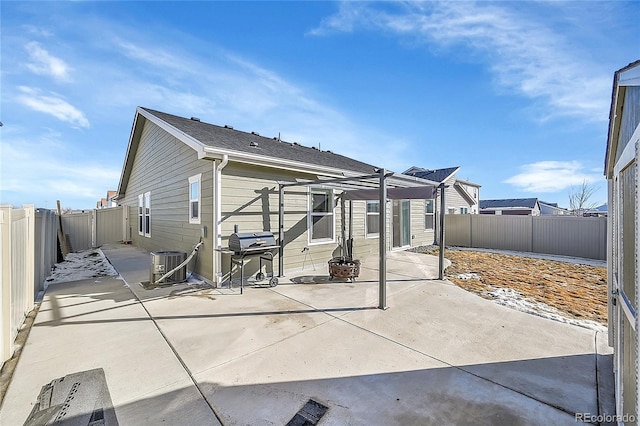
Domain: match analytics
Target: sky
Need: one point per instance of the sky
(517, 93)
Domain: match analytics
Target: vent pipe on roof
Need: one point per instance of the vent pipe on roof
(226, 126)
(253, 143)
(255, 133)
(195, 118)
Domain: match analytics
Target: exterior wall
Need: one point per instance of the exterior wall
(250, 200)
(623, 272)
(455, 199)
(630, 118)
(163, 165)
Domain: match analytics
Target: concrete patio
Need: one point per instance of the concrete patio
(189, 354)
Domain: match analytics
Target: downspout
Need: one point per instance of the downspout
(217, 217)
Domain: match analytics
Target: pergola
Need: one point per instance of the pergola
(381, 185)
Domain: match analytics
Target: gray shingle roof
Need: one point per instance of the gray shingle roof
(228, 138)
(437, 175)
(529, 203)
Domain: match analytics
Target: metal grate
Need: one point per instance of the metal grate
(309, 415)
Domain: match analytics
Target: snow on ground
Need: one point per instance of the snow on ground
(81, 266)
(514, 300)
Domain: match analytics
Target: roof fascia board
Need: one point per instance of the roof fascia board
(614, 129)
(451, 175)
(191, 142)
(132, 147)
(464, 193)
(630, 77)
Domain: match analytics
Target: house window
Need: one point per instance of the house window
(373, 219)
(194, 198)
(452, 210)
(428, 214)
(321, 220)
(464, 210)
(141, 214)
(147, 214)
(144, 214)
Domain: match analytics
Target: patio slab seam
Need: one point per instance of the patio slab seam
(175, 353)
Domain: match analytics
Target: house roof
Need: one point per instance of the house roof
(528, 203)
(437, 175)
(227, 138)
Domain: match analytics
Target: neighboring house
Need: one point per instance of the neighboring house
(621, 171)
(511, 206)
(184, 180)
(552, 209)
(461, 196)
(600, 211)
(110, 201)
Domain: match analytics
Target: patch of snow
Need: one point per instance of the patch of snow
(81, 266)
(468, 276)
(514, 300)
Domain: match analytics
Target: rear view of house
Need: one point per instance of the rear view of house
(621, 171)
(186, 181)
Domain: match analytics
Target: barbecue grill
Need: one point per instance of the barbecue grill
(250, 244)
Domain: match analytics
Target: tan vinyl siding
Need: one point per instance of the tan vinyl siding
(163, 166)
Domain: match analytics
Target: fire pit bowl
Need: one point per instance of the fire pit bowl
(341, 267)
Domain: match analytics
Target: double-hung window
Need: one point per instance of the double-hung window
(195, 205)
(373, 219)
(428, 214)
(144, 214)
(321, 218)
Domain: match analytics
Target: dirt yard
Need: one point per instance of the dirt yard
(577, 291)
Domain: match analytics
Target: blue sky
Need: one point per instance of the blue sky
(515, 93)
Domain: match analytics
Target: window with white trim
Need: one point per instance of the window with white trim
(141, 214)
(464, 210)
(147, 214)
(195, 205)
(428, 214)
(144, 214)
(321, 218)
(372, 222)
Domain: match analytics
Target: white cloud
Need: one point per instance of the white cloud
(532, 59)
(51, 104)
(43, 63)
(551, 176)
(29, 169)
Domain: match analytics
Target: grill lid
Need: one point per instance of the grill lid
(243, 241)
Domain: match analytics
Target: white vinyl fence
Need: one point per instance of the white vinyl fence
(93, 228)
(28, 250)
(584, 237)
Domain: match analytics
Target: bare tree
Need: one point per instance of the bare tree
(579, 198)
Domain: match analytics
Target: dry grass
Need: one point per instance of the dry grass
(578, 291)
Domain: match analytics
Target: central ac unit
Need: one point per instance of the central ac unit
(165, 261)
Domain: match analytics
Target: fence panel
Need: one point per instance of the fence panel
(78, 228)
(562, 235)
(109, 225)
(46, 248)
(571, 236)
(501, 232)
(17, 271)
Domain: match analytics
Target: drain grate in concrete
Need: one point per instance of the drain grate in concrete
(309, 415)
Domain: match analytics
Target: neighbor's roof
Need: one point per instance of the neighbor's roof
(227, 138)
(437, 175)
(528, 203)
